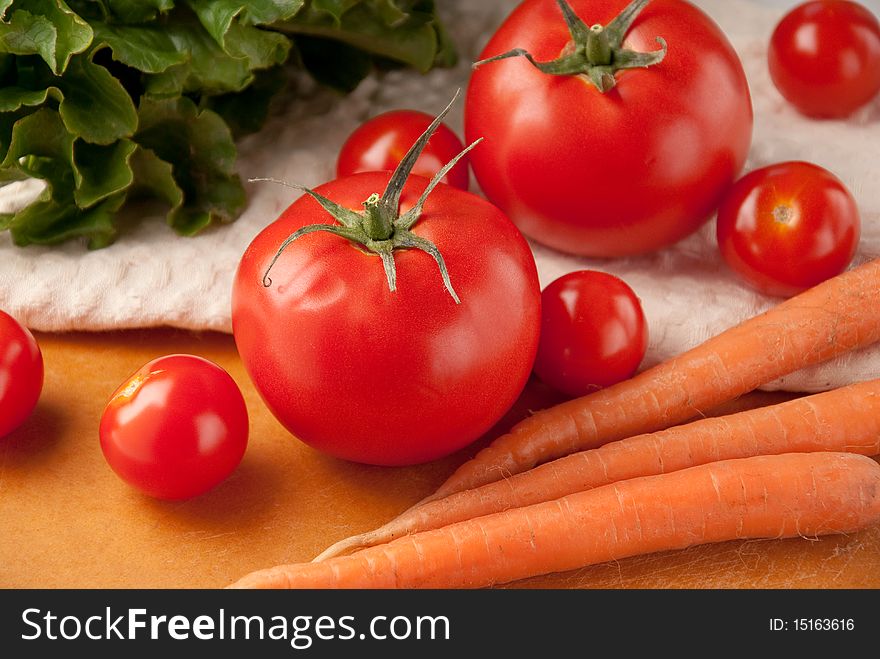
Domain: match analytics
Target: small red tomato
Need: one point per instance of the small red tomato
(176, 428)
(824, 57)
(787, 227)
(21, 373)
(593, 332)
(380, 144)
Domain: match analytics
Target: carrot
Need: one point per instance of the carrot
(796, 494)
(837, 316)
(846, 419)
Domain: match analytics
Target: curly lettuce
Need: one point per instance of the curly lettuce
(110, 100)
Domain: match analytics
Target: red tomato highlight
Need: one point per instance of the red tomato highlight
(176, 428)
(787, 227)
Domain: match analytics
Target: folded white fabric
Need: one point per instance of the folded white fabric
(152, 277)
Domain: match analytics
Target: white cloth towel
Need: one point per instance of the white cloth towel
(151, 277)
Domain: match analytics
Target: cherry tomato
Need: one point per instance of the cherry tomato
(380, 144)
(379, 376)
(824, 57)
(176, 428)
(787, 227)
(593, 332)
(622, 172)
(21, 373)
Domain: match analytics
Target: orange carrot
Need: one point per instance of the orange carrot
(796, 494)
(837, 316)
(846, 419)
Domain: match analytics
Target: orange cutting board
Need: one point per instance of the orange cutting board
(66, 520)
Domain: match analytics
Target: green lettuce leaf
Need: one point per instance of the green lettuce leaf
(101, 171)
(334, 8)
(208, 68)
(96, 106)
(127, 11)
(217, 15)
(76, 202)
(29, 34)
(41, 147)
(47, 28)
(199, 147)
(14, 98)
(246, 111)
(111, 100)
(147, 48)
(92, 103)
(154, 178)
(50, 221)
(403, 30)
(334, 64)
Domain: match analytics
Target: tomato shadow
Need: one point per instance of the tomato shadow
(33, 442)
(535, 396)
(250, 498)
(403, 486)
(237, 504)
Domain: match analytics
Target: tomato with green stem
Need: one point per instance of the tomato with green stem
(611, 128)
(21, 373)
(593, 332)
(380, 143)
(824, 57)
(391, 335)
(176, 428)
(787, 227)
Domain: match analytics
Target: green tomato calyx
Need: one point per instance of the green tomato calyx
(595, 52)
(381, 229)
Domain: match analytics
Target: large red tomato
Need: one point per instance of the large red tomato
(622, 172)
(824, 57)
(379, 376)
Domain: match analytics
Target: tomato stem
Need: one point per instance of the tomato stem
(377, 225)
(598, 48)
(380, 229)
(597, 52)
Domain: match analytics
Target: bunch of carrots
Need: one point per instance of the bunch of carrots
(619, 473)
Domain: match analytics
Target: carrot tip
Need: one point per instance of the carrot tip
(346, 545)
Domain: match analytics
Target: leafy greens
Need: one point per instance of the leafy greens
(108, 100)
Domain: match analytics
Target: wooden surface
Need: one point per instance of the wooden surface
(66, 520)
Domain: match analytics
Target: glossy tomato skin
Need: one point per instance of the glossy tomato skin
(176, 428)
(593, 332)
(380, 143)
(824, 57)
(625, 172)
(787, 227)
(21, 373)
(381, 377)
